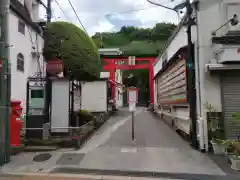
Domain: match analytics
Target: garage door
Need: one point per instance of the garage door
(231, 102)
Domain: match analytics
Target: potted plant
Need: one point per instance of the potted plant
(235, 157)
(215, 131)
(218, 144)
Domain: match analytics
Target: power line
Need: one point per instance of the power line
(56, 1)
(130, 11)
(77, 16)
(157, 4)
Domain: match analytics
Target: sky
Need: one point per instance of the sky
(107, 16)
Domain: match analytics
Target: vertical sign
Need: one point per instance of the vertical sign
(132, 100)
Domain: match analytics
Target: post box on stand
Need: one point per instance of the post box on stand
(16, 123)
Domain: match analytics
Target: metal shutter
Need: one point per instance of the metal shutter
(230, 82)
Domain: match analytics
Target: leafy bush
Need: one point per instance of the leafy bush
(74, 47)
(236, 148)
(83, 116)
(236, 122)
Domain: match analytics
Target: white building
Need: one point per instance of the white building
(26, 44)
(217, 64)
(118, 75)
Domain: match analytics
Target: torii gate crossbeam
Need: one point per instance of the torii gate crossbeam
(111, 66)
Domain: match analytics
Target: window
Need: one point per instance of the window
(20, 62)
(37, 93)
(21, 27)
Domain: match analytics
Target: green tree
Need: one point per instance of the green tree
(74, 47)
(138, 41)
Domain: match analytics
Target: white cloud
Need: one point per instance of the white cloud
(93, 13)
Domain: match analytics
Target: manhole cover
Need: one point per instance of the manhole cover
(42, 157)
(71, 159)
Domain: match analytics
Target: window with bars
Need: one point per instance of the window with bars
(20, 62)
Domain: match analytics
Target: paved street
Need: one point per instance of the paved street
(158, 151)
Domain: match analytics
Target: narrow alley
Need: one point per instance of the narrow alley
(157, 149)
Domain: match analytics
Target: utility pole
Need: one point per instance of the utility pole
(48, 81)
(191, 77)
(5, 85)
(49, 11)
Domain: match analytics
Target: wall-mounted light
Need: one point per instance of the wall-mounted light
(233, 21)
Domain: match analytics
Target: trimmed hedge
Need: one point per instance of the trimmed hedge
(75, 48)
(83, 116)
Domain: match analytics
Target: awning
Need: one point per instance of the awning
(221, 67)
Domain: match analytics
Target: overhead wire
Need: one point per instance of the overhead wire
(79, 20)
(161, 5)
(130, 11)
(62, 10)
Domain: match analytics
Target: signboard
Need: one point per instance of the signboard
(36, 97)
(132, 94)
(131, 60)
(132, 98)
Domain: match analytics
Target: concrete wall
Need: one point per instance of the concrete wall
(23, 44)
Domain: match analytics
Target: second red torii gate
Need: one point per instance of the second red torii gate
(111, 66)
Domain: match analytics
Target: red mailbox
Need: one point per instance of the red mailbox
(16, 123)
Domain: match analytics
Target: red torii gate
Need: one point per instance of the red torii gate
(111, 66)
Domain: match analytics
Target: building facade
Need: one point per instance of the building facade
(104, 52)
(216, 42)
(26, 44)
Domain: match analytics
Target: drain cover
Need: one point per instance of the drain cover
(42, 157)
(71, 159)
